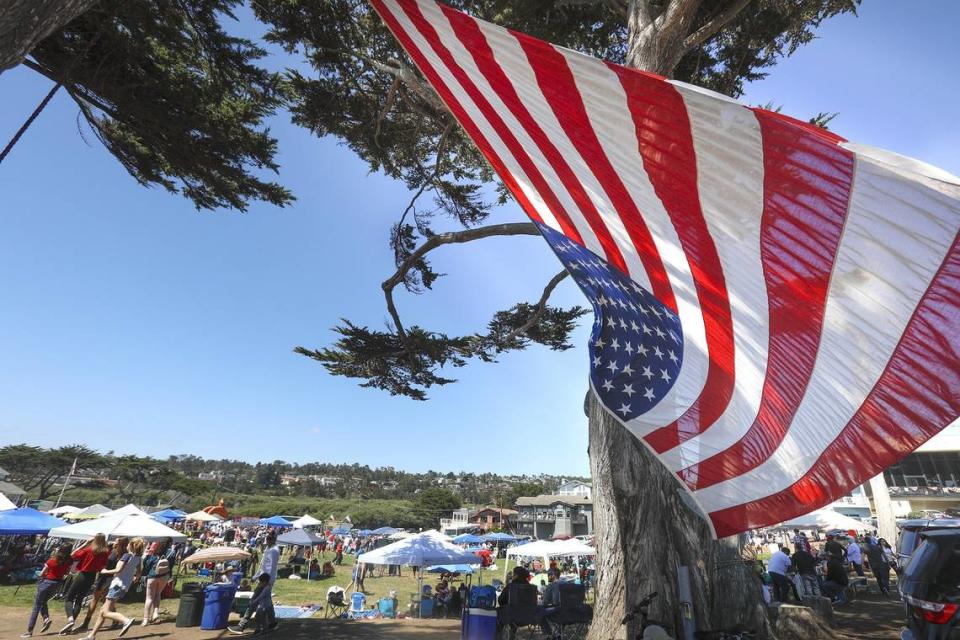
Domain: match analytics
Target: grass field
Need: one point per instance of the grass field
(290, 592)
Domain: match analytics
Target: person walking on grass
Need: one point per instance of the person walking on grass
(257, 608)
(91, 557)
(51, 577)
(157, 567)
(124, 575)
(102, 584)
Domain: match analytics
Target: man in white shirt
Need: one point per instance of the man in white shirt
(778, 567)
(268, 566)
(855, 557)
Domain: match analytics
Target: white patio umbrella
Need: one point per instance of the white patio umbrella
(64, 510)
(216, 554)
(113, 527)
(306, 520)
(202, 516)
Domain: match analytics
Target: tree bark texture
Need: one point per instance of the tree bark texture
(645, 529)
(24, 23)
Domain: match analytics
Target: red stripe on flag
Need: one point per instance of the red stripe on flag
(666, 146)
(560, 90)
(916, 396)
(459, 113)
(807, 182)
(468, 31)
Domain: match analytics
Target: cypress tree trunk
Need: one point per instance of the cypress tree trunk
(646, 527)
(24, 23)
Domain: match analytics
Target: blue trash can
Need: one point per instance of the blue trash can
(237, 579)
(478, 624)
(217, 601)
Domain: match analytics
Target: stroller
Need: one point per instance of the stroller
(336, 605)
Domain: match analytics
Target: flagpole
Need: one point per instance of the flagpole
(73, 469)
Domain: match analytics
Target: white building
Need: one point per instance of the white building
(575, 488)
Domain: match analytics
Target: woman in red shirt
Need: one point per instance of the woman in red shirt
(52, 574)
(90, 557)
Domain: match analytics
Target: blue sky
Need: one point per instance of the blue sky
(131, 322)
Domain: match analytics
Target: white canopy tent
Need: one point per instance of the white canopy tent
(403, 535)
(825, 519)
(93, 511)
(202, 516)
(306, 520)
(572, 547)
(128, 510)
(64, 510)
(546, 549)
(113, 527)
(6, 504)
(420, 550)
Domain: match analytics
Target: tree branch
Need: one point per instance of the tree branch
(538, 310)
(72, 89)
(714, 25)
(433, 176)
(453, 237)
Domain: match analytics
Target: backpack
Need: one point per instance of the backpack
(483, 597)
(162, 568)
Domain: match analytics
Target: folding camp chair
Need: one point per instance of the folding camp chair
(336, 605)
(571, 620)
(357, 600)
(521, 616)
(387, 607)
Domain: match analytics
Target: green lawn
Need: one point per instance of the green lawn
(291, 592)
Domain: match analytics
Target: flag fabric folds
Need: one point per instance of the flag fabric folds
(776, 309)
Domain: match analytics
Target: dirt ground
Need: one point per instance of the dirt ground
(868, 618)
(13, 622)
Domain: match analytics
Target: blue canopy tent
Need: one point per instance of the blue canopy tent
(364, 533)
(275, 521)
(451, 568)
(467, 538)
(168, 515)
(385, 531)
(340, 530)
(300, 537)
(27, 522)
(499, 537)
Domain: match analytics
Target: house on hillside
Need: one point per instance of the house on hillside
(488, 518)
(549, 516)
(575, 488)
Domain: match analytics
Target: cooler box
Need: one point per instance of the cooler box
(478, 624)
(216, 606)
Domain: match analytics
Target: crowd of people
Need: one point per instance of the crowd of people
(825, 570)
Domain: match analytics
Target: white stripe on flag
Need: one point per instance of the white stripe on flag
(729, 148)
(897, 234)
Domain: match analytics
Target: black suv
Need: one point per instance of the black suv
(930, 587)
(910, 531)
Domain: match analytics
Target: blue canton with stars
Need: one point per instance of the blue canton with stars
(636, 346)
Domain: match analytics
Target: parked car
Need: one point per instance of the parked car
(930, 587)
(910, 531)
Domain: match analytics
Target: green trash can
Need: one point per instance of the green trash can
(191, 605)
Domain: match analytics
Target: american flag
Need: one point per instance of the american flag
(776, 308)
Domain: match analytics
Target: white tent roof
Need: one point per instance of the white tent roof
(6, 504)
(825, 519)
(116, 527)
(573, 547)
(548, 549)
(306, 520)
(403, 535)
(59, 511)
(202, 516)
(128, 510)
(420, 550)
(93, 511)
